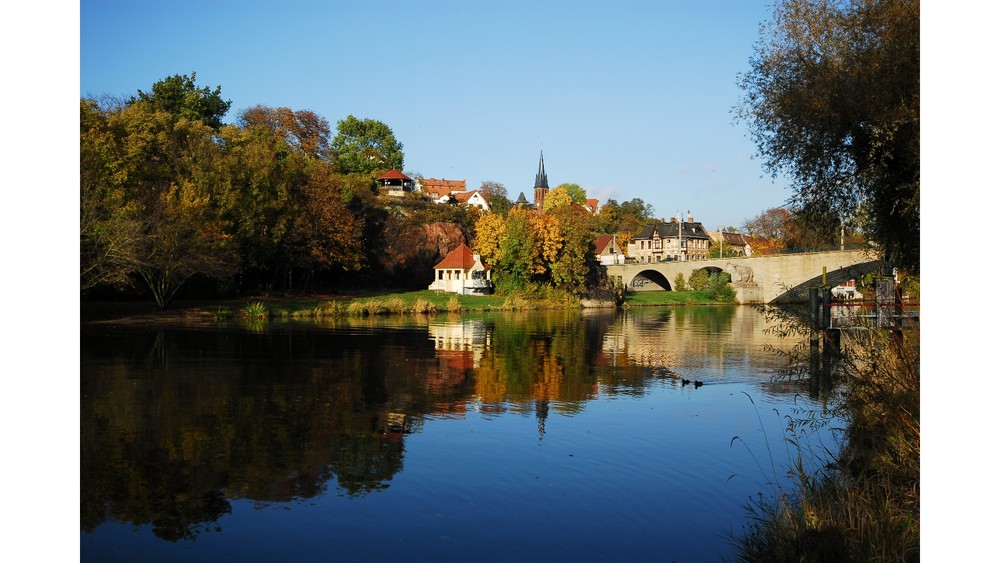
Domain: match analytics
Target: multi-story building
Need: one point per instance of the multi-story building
(673, 240)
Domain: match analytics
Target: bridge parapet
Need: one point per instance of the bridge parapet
(781, 278)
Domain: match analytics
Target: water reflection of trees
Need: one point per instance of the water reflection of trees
(175, 423)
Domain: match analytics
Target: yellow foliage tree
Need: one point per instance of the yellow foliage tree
(491, 229)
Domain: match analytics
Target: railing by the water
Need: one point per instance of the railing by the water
(871, 315)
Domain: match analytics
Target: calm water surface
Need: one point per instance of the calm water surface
(492, 437)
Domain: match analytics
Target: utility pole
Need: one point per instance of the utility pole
(680, 236)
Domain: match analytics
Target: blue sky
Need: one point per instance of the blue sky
(629, 99)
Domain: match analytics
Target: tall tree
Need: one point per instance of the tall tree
(366, 147)
(168, 169)
(832, 98)
(179, 96)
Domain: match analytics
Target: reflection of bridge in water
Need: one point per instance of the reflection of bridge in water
(781, 278)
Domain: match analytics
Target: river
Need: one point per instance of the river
(641, 434)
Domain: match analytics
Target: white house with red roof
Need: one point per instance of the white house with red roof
(475, 198)
(462, 272)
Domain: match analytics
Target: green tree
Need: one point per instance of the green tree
(179, 96)
(576, 193)
(832, 99)
(366, 147)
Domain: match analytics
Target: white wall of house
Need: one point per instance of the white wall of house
(476, 280)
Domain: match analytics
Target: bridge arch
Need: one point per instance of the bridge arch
(650, 280)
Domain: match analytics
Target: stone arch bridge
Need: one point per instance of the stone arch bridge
(780, 278)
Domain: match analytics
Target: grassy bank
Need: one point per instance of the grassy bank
(431, 302)
(370, 304)
(653, 298)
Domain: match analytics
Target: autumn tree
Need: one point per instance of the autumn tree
(493, 189)
(575, 258)
(179, 96)
(302, 130)
(324, 234)
(491, 230)
(109, 221)
(556, 198)
(832, 99)
(155, 177)
(184, 236)
(496, 195)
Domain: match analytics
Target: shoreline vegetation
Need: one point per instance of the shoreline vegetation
(371, 303)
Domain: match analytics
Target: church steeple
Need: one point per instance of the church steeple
(541, 182)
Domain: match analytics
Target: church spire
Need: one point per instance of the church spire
(541, 183)
(541, 180)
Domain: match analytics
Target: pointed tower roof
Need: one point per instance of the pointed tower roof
(541, 180)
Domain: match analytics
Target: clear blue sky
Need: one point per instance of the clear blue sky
(627, 99)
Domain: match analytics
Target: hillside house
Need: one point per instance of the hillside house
(441, 190)
(394, 183)
(475, 198)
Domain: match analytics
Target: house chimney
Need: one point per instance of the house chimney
(690, 219)
(673, 219)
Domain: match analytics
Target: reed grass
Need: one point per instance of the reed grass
(863, 503)
(255, 311)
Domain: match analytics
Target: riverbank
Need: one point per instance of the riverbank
(358, 304)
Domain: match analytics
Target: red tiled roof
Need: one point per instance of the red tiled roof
(461, 257)
(431, 184)
(601, 243)
(394, 175)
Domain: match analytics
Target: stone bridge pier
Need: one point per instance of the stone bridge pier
(780, 278)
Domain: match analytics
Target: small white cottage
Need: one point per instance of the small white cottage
(462, 272)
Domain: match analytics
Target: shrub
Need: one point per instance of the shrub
(679, 282)
(719, 289)
(699, 280)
